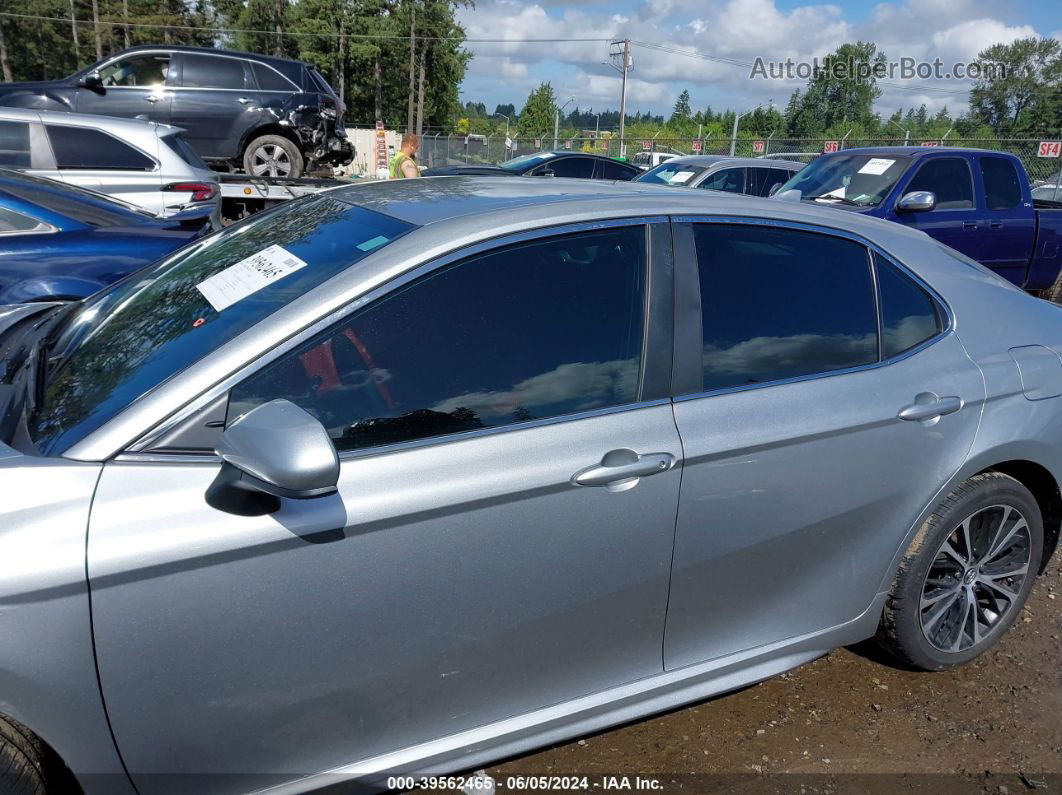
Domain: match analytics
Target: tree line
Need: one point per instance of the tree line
(401, 61)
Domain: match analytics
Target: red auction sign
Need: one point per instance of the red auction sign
(647, 145)
(831, 146)
(930, 143)
(758, 146)
(1049, 149)
(696, 146)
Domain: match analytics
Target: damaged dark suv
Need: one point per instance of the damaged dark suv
(271, 117)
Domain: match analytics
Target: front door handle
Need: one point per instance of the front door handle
(969, 226)
(152, 98)
(929, 408)
(245, 100)
(621, 469)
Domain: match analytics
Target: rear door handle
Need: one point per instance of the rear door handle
(152, 98)
(621, 469)
(929, 407)
(995, 224)
(245, 100)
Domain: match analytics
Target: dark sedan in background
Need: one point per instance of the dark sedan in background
(273, 117)
(60, 242)
(580, 165)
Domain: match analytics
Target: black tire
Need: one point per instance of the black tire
(270, 156)
(908, 623)
(22, 758)
(1054, 292)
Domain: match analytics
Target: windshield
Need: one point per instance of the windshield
(81, 204)
(525, 162)
(671, 173)
(855, 179)
(131, 337)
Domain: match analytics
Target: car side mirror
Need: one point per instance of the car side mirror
(917, 201)
(274, 450)
(92, 82)
(774, 188)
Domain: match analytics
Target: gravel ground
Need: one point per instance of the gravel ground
(854, 722)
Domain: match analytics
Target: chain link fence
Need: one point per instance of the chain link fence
(438, 149)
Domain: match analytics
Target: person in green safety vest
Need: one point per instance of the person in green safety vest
(403, 163)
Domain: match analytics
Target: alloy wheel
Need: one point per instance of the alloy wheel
(975, 578)
(270, 160)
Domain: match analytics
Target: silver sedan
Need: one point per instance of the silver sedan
(406, 477)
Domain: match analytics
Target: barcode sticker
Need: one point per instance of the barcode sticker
(248, 276)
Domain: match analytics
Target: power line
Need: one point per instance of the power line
(207, 28)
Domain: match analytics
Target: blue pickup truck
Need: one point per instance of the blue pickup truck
(976, 201)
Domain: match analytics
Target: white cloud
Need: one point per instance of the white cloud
(739, 30)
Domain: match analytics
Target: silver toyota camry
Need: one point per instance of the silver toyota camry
(402, 478)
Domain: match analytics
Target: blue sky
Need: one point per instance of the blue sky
(738, 30)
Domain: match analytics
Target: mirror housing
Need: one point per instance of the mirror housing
(917, 201)
(774, 188)
(91, 81)
(274, 450)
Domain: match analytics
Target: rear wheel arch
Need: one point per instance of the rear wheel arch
(1044, 487)
(28, 761)
(267, 129)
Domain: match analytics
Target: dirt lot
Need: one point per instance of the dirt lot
(852, 722)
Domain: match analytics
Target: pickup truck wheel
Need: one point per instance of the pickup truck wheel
(1054, 292)
(272, 156)
(21, 760)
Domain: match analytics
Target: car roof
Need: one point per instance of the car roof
(913, 151)
(254, 56)
(437, 200)
(711, 160)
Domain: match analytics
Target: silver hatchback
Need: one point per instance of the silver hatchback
(142, 163)
(404, 477)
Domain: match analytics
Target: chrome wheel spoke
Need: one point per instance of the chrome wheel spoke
(930, 623)
(929, 601)
(989, 583)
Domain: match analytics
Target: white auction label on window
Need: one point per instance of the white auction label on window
(248, 276)
(876, 165)
(681, 177)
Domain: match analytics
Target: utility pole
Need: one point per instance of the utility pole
(556, 120)
(621, 50)
(412, 61)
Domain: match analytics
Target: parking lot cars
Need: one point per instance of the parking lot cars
(273, 117)
(751, 175)
(59, 242)
(976, 201)
(410, 475)
(578, 165)
(142, 163)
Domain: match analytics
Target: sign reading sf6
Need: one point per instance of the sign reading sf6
(978, 202)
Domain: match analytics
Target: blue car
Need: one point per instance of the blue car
(60, 242)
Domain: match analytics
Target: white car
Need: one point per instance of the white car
(648, 160)
(143, 163)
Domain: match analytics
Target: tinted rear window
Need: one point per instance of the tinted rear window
(1002, 186)
(212, 71)
(185, 151)
(127, 340)
(270, 79)
(87, 149)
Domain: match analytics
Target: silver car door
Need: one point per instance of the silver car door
(801, 477)
(501, 540)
